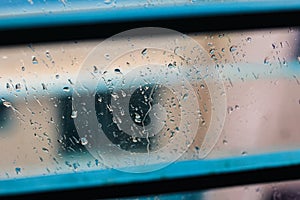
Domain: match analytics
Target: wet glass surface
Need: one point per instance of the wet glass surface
(163, 110)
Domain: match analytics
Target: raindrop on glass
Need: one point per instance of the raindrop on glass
(123, 93)
(144, 52)
(117, 70)
(229, 110)
(18, 87)
(95, 69)
(267, 60)
(34, 60)
(171, 66)
(185, 96)
(45, 150)
(44, 86)
(48, 54)
(83, 141)
(18, 170)
(66, 89)
(137, 118)
(7, 104)
(107, 56)
(233, 48)
(134, 140)
(212, 51)
(74, 114)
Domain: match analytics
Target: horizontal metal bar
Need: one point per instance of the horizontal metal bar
(182, 176)
(148, 12)
(89, 22)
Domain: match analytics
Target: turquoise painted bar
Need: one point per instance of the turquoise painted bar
(136, 11)
(175, 170)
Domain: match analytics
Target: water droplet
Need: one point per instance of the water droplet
(44, 86)
(267, 60)
(34, 60)
(107, 56)
(97, 162)
(74, 114)
(23, 68)
(237, 107)
(75, 166)
(123, 93)
(68, 164)
(229, 110)
(18, 170)
(298, 59)
(202, 86)
(249, 39)
(95, 69)
(221, 35)
(134, 140)
(137, 118)
(185, 96)
(244, 153)
(48, 54)
(7, 104)
(83, 141)
(7, 86)
(144, 52)
(284, 62)
(18, 87)
(171, 66)
(57, 76)
(45, 150)
(225, 142)
(233, 48)
(115, 96)
(66, 89)
(117, 70)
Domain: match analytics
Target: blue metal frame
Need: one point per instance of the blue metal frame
(136, 11)
(102, 178)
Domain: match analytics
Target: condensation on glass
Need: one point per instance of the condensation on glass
(260, 72)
